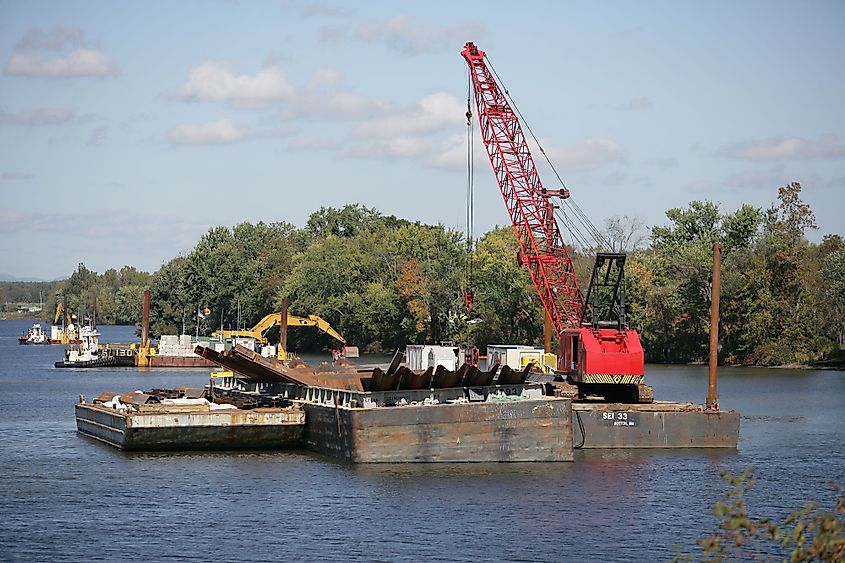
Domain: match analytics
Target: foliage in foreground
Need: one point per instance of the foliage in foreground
(808, 533)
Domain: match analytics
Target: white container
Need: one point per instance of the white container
(244, 341)
(515, 356)
(168, 340)
(424, 356)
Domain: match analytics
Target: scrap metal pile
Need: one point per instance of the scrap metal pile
(343, 375)
(184, 399)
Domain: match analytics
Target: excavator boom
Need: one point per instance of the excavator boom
(274, 319)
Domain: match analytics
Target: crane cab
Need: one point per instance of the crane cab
(601, 355)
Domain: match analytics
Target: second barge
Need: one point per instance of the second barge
(188, 424)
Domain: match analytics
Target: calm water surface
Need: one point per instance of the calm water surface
(65, 497)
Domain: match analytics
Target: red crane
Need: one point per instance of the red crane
(596, 347)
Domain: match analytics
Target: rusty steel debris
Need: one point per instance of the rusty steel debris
(253, 367)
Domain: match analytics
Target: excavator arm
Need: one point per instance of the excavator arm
(274, 319)
(314, 320)
(59, 309)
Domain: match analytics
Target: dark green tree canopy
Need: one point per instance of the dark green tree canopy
(384, 282)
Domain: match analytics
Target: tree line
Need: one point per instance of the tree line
(383, 282)
(15, 293)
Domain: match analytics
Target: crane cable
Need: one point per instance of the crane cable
(469, 293)
(599, 240)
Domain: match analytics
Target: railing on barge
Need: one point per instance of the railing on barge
(235, 387)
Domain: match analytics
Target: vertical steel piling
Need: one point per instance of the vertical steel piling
(283, 330)
(712, 397)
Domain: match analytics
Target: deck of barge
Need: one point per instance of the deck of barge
(662, 424)
(192, 428)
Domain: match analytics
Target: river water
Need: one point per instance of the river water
(65, 497)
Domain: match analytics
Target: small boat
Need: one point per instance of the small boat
(88, 354)
(35, 335)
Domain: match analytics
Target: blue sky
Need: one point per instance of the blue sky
(128, 129)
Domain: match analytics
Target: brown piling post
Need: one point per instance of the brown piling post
(283, 330)
(712, 397)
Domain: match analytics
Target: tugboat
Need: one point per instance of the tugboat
(88, 354)
(35, 335)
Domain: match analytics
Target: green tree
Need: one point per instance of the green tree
(505, 299)
(669, 289)
(777, 315)
(170, 306)
(833, 272)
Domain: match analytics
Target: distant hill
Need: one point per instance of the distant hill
(11, 278)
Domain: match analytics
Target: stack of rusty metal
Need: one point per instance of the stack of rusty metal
(253, 367)
(400, 378)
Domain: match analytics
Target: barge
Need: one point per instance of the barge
(661, 424)
(141, 422)
(493, 426)
(400, 415)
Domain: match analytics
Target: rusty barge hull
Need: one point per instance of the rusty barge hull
(181, 362)
(259, 429)
(519, 431)
(661, 425)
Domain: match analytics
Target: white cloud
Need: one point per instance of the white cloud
(324, 98)
(589, 155)
(215, 81)
(451, 154)
(48, 116)
(402, 34)
(789, 148)
(325, 77)
(60, 52)
(219, 132)
(435, 112)
(78, 63)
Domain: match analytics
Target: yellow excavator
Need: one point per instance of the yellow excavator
(274, 319)
(68, 333)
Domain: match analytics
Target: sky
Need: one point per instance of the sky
(128, 129)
